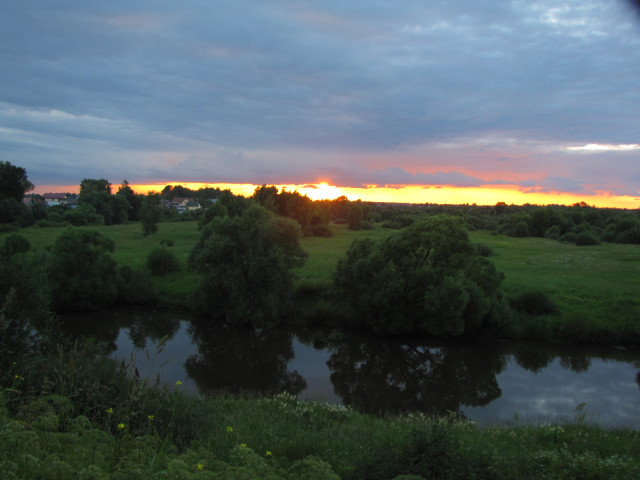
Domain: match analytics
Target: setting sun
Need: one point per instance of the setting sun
(321, 191)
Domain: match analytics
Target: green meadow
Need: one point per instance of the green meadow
(69, 412)
(594, 288)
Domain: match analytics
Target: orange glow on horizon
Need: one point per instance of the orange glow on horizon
(488, 195)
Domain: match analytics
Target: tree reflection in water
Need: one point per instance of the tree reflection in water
(390, 376)
(241, 360)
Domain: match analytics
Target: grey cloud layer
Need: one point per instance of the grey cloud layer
(286, 91)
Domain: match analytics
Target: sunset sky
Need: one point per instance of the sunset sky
(414, 101)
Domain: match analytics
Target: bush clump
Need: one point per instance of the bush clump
(534, 302)
(586, 239)
(426, 278)
(484, 250)
(161, 261)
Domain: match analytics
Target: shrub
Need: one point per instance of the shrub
(586, 238)
(246, 263)
(161, 261)
(84, 270)
(484, 250)
(136, 288)
(426, 278)
(367, 225)
(521, 229)
(534, 302)
(321, 230)
(552, 232)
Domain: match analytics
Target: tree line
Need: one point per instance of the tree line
(427, 277)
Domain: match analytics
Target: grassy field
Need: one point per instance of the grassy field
(72, 414)
(595, 288)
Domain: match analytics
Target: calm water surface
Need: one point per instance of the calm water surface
(486, 381)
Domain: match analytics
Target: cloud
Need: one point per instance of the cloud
(595, 147)
(366, 92)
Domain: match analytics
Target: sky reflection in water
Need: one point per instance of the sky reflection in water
(487, 382)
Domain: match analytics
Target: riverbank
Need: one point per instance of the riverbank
(590, 293)
(70, 413)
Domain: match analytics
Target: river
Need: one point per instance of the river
(485, 381)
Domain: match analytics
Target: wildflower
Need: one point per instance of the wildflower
(109, 411)
(121, 426)
(200, 466)
(268, 454)
(150, 417)
(229, 429)
(178, 382)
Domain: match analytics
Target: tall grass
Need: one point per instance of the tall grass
(74, 414)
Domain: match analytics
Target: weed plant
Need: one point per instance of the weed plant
(69, 412)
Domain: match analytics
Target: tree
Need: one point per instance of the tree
(266, 197)
(133, 201)
(356, 214)
(13, 185)
(426, 278)
(97, 193)
(82, 271)
(23, 295)
(13, 182)
(246, 263)
(150, 213)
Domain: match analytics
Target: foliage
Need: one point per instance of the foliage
(13, 182)
(161, 261)
(426, 278)
(246, 264)
(84, 215)
(586, 238)
(84, 272)
(23, 289)
(534, 302)
(312, 216)
(132, 200)
(135, 287)
(484, 250)
(11, 210)
(97, 193)
(150, 213)
(356, 215)
(72, 413)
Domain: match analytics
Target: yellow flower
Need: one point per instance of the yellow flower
(121, 426)
(229, 429)
(178, 382)
(150, 417)
(109, 410)
(268, 454)
(200, 466)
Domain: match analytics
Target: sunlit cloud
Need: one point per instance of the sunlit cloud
(597, 147)
(426, 101)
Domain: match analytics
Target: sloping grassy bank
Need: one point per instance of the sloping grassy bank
(67, 413)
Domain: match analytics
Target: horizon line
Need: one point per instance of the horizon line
(407, 194)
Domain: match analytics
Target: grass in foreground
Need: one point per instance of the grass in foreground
(72, 414)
